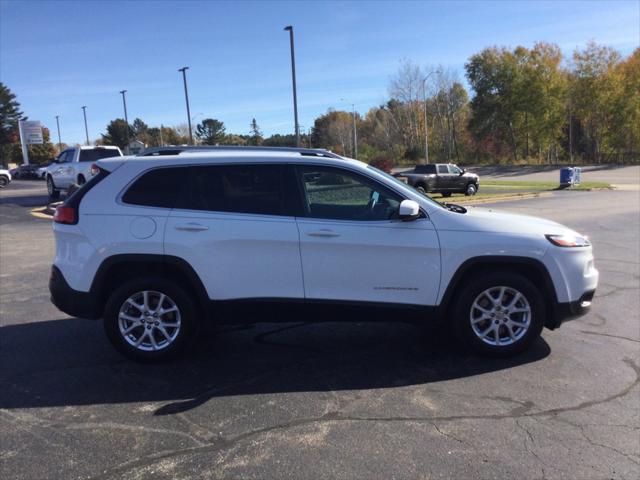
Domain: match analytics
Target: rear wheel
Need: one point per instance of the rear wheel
(499, 314)
(150, 319)
(51, 189)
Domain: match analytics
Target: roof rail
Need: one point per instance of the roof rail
(178, 149)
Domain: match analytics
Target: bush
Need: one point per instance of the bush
(383, 162)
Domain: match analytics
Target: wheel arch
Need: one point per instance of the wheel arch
(118, 268)
(528, 267)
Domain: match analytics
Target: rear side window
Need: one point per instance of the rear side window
(157, 188)
(258, 189)
(425, 169)
(98, 153)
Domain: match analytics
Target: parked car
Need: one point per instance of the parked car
(154, 246)
(444, 178)
(26, 172)
(5, 177)
(73, 166)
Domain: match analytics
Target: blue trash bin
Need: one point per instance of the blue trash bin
(566, 176)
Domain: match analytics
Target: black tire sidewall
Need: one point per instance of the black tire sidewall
(476, 285)
(4, 181)
(189, 325)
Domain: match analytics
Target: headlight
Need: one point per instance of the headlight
(569, 240)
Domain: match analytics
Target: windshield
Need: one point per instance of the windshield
(401, 184)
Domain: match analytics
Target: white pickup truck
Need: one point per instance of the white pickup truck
(73, 166)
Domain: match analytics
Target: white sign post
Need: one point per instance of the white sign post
(30, 134)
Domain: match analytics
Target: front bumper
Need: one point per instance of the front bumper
(571, 310)
(70, 301)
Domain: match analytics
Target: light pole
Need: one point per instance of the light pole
(186, 97)
(293, 76)
(355, 128)
(86, 130)
(426, 127)
(58, 125)
(126, 118)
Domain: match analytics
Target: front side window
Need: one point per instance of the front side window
(98, 153)
(65, 156)
(443, 169)
(157, 188)
(342, 195)
(257, 189)
(454, 169)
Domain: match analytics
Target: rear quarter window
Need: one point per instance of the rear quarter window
(157, 188)
(97, 154)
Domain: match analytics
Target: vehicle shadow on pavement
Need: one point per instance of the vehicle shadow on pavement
(69, 362)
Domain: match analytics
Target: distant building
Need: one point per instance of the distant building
(135, 147)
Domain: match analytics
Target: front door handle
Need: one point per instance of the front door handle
(191, 227)
(323, 233)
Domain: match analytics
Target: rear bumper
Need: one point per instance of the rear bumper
(70, 301)
(570, 310)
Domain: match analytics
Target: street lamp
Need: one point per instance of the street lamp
(58, 125)
(86, 130)
(426, 127)
(186, 96)
(293, 76)
(126, 118)
(355, 129)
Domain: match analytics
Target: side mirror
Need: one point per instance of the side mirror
(462, 171)
(409, 210)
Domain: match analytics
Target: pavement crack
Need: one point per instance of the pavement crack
(610, 336)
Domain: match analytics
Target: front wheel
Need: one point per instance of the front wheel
(150, 319)
(499, 314)
(470, 190)
(421, 190)
(446, 194)
(4, 181)
(51, 189)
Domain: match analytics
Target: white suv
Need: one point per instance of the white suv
(73, 167)
(157, 245)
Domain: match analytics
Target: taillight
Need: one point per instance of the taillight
(65, 214)
(95, 169)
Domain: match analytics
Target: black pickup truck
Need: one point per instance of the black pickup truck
(444, 178)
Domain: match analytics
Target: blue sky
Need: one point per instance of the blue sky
(57, 56)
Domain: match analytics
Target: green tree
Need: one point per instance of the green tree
(116, 133)
(10, 114)
(255, 135)
(210, 131)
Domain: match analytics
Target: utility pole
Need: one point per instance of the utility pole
(570, 136)
(86, 130)
(126, 118)
(426, 126)
(186, 97)
(355, 129)
(58, 125)
(293, 76)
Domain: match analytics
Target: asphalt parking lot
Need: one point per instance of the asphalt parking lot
(330, 400)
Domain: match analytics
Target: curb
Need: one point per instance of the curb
(45, 213)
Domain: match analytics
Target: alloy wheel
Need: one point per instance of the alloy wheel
(500, 316)
(149, 320)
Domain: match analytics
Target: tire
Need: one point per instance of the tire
(446, 194)
(421, 190)
(81, 180)
(4, 181)
(144, 323)
(54, 193)
(470, 189)
(476, 318)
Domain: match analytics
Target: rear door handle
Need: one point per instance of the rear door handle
(323, 233)
(191, 227)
